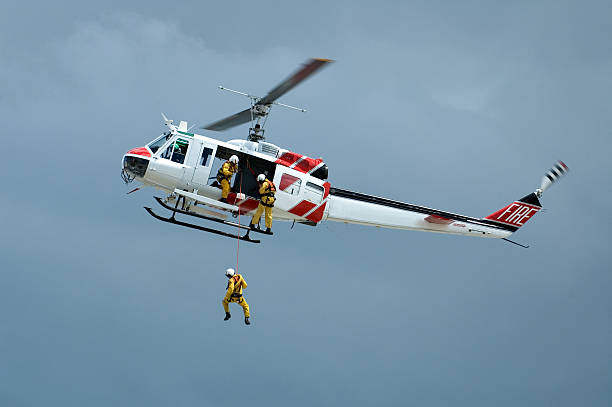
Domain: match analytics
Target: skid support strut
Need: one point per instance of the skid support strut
(175, 210)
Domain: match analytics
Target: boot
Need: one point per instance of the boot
(227, 316)
(224, 200)
(246, 321)
(269, 231)
(253, 226)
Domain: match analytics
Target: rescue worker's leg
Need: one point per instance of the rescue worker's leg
(268, 219)
(257, 216)
(245, 308)
(225, 188)
(226, 308)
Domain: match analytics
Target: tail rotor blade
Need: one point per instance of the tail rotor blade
(557, 171)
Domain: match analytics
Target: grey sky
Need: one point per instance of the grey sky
(460, 106)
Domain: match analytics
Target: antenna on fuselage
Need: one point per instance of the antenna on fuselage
(168, 123)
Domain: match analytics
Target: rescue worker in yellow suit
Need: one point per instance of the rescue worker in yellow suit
(234, 294)
(266, 191)
(224, 176)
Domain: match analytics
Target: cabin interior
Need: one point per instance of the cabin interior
(249, 168)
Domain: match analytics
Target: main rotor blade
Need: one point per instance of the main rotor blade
(310, 67)
(231, 121)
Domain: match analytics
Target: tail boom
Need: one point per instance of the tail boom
(357, 208)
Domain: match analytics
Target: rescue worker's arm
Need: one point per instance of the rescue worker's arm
(243, 283)
(227, 169)
(263, 188)
(230, 289)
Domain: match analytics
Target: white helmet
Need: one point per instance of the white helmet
(234, 159)
(230, 273)
(261, 178)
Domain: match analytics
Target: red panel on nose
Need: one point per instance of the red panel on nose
(140, 151)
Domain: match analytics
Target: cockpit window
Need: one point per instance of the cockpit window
(176, 151)
(159, 142)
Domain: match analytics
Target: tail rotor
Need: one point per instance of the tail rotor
(515, 215)
(557, 171)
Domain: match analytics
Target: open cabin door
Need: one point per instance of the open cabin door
(203, 164)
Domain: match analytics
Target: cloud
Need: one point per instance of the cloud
(462, 107)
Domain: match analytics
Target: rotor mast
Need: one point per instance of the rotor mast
(259, 114)
(260, 108)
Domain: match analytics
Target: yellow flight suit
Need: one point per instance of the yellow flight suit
(224, 176)
(267, 191)
(234, 294)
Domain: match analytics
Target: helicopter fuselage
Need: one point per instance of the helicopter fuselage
(184, 164)
(189, 162)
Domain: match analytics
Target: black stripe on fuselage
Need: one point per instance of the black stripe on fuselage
(357, 196)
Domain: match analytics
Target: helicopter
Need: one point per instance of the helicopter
(182, 164)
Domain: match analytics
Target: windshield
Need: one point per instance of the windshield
(159, 142)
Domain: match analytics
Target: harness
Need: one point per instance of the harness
(269, 194)
(221, 175)
(236, 281)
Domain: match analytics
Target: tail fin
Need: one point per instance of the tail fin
(516, 214)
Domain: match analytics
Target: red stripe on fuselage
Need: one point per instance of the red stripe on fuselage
(286, 181)
(288, 159)
(302, 208)
(317, 214)
(326, 185)
(307, 164)
(140, 151)
(438, 220)
(246, 206)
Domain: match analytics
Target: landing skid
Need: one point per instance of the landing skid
(210, 218)
(173, 220)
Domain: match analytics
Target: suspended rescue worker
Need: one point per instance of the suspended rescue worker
(224, 176)
(234, 294)
(266, 191)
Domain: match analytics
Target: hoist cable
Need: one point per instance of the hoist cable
(238, 229)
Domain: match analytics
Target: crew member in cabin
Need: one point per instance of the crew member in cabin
(224, 176)
(266, 203)
(234, 294)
